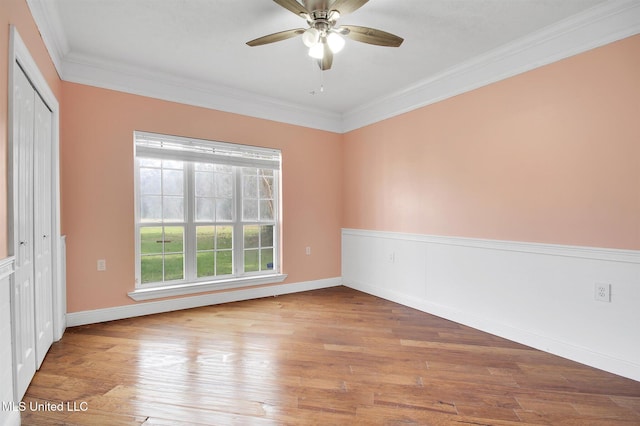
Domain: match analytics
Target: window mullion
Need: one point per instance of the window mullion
(137, 213)
(190, 244)
(164, 259)
(238, 234)
(276, 222)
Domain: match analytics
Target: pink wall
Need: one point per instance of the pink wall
(16, 12)
(97, 186)
(552, 156)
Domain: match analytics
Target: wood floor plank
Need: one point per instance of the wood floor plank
(332, 356)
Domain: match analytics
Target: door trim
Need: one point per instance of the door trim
(19, 54)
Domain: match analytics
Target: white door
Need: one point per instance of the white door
(43, 281)
(23, 307)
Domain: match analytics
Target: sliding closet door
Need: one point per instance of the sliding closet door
(43, 283)
(22, 303)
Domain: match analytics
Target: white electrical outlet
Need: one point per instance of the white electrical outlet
(102, 265)
(307, 250)
(603, 292)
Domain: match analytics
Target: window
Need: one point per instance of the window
(206, 212)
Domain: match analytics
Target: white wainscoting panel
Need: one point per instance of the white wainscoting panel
(540, 295)
(7, 416)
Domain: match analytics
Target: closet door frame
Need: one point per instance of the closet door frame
(19, 57)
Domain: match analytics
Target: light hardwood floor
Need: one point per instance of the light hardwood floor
(333, 356)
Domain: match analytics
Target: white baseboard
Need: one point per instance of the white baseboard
(140, 309)
(540, 295)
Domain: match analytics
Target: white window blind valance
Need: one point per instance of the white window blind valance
(152, 145)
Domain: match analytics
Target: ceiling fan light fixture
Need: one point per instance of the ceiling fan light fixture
(324, 37)
(317, 51)
(310, 37)
(335, 42)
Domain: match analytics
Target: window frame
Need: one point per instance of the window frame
(190, 282)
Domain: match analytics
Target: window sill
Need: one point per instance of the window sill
(200, 287)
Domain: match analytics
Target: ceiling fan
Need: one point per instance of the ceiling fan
(324, 37)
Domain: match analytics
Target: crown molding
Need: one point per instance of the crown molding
(139, 81)
(602, 24)
(605, 23)
(48, 21)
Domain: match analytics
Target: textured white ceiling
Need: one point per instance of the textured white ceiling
(194, 51)
(204, 41)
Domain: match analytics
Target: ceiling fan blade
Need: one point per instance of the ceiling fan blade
(272, 38)
(327, 58)
(347, 6)
(293, 6)
(371, 36)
